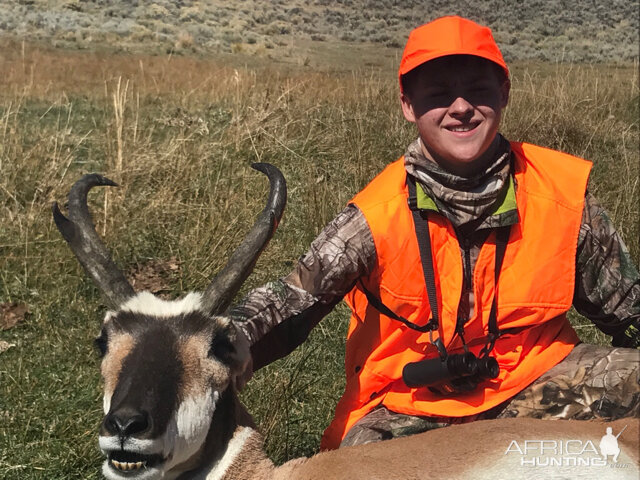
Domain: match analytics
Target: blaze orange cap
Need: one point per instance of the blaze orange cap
(449, 36)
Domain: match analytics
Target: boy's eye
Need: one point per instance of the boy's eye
(482, 87)
(101, 343)
(435, 93)
(437, 97)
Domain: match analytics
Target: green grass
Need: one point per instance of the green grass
(187, 193)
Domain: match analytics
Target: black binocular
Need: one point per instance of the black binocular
(456, 373)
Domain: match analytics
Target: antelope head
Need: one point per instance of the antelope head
(170, 368)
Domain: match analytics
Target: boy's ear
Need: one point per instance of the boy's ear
(505, 88)
(407, 108)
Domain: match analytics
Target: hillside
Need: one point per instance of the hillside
(585, 30)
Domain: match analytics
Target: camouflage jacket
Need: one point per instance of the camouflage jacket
(279, 316)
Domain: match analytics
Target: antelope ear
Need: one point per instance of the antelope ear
(241, 362)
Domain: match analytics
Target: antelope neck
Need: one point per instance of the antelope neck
(231, 434)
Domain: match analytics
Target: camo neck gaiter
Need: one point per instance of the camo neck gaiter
(460, 199)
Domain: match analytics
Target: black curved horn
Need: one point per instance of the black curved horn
(80, 233)
(228, 281)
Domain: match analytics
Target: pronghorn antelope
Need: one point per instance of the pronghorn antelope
(171, 371)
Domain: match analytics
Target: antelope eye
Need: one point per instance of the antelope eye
(221, 348)
(101, 343)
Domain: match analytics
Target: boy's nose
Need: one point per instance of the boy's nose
(460, 106)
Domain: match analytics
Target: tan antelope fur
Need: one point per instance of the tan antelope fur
(171, 372)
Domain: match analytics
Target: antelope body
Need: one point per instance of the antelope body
(171, 371)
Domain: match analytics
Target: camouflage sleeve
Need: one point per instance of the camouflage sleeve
(278, 317)
(607, 281)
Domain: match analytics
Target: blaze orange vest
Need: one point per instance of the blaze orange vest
(536, 286)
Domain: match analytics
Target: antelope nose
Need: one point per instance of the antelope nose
(126, 422)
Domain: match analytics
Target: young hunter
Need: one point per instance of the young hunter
(459, 262)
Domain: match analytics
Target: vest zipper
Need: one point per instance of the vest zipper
(463, 306)
(467, 265)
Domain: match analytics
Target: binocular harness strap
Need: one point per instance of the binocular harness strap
(376, 303)
(502, 238)
(421, 224)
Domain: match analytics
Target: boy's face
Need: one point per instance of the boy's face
(456, 102)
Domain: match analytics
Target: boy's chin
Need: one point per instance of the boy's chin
(466, 161)
(464, 166)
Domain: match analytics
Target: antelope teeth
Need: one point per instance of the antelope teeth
(126, 466)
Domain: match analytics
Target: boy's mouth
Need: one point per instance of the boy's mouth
(463, 128)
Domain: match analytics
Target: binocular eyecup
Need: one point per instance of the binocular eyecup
(488, 368)
(456, 373)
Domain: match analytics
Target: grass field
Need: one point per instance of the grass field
(178, 134)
